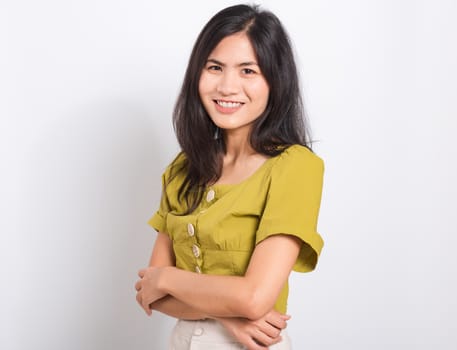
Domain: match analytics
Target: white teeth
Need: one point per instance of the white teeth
(228, 104)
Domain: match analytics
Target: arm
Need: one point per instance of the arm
(251, 296)
(265, 330)
(256, 335)
(163, 255)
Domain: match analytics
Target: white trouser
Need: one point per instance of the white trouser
(209, 335)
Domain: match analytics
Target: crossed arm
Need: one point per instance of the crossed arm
(163, 256)
(230, 299)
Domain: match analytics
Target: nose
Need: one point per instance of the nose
(228, 83)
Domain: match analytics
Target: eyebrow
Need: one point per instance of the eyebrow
(243, 64)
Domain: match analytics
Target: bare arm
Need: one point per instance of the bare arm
(265, 330)
(251, 296)
(163, 255)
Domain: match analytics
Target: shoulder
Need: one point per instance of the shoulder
(174, 173)
(176, 165)
(297, 165)
(179, 160)
(298, 157)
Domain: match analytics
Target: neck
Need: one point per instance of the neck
(237, 144)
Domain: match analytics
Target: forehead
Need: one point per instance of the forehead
(235, 48)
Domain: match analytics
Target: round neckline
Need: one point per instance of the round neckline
(257, 171)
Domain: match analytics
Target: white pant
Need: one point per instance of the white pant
(209, 335)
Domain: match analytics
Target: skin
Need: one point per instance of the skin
(232, 76)
(254, 334)
(234, 92)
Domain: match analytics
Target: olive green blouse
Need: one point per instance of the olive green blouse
(282, 197)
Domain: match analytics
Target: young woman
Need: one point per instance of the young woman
(240, 203)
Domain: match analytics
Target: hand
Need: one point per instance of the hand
(147, 288)
(259, 334)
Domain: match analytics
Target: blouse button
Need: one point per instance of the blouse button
(196, 251)
(210, 195)
(190, 230)
(198, 269)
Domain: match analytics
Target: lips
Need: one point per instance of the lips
(227, 106)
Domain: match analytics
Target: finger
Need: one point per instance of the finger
(138, 285)
(139, 299)
(146, 308)
(145, 304)
(268, 330)
(276, 319)
(253, 344)
(274, 313)
(278, 323)
(265, 339)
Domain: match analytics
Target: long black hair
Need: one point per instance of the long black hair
(280, 125)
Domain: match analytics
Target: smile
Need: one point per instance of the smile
(228, 104)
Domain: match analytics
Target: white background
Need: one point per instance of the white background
(86, 93)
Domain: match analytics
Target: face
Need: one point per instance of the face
(232, 88)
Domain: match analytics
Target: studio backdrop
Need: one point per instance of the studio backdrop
(87, 90)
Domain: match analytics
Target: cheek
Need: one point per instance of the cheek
(260, 92)
(204, 92)
(204, 85)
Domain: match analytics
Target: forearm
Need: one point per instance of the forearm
(218, 296)
(264, 331)
(250, 296)
(173, 307)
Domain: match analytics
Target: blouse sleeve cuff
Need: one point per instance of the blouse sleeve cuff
(309, 252)
(158, 222)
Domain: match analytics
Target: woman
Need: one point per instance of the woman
(240, 202)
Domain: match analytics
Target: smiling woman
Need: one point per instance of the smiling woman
(240, 203)
(232, 87)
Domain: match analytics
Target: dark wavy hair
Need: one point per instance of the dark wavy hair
(281, 124)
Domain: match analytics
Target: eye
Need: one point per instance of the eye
(248, 71)
(214, 67)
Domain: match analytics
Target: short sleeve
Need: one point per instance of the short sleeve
(293, 202)
(169, 187)
(159, 220)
